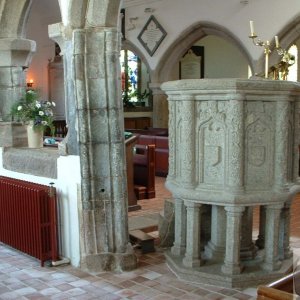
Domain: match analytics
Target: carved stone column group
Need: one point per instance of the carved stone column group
(232, 147)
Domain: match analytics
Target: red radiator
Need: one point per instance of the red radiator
(28, 218)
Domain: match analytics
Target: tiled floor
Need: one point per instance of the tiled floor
(21, 277)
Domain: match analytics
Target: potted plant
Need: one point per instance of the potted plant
(37, 114)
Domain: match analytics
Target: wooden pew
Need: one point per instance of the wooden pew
(286, 288)
(144, 171)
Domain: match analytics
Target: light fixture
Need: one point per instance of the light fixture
(30, 83)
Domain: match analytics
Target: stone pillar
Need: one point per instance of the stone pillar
(15, 56)
(215, 249)
(248, 249)
(103, 208)
(233, 240)
(281, 145)
(260, 242)
(193, 235)
(284, 234)
(160, 106)
(296, 138)
(63, 36)
(186, 147)
(271, 261)
(180, 228)
(172, 141)
(236, 144)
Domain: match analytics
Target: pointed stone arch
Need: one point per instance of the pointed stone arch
(16, 53)
(13, 18)
(174, 53)
(186, 39)
(90, 13)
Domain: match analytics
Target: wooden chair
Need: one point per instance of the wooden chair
(144, 171)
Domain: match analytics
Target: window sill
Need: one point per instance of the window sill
(39, 162)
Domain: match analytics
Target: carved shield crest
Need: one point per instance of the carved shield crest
(257, 155)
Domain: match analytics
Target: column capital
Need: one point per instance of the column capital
(192, 204)
(60, 34)
(155, 88)
(16, 52)
(234, 209)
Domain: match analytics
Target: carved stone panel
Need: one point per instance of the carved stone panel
(259, 147)
(212, 153)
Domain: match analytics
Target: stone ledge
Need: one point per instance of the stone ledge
(39, 162)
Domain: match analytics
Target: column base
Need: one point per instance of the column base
(271, 266)
(178, 251)
(109, 262)
(232, 269)
(213, 252)
(191, 262)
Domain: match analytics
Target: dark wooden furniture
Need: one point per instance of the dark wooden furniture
(132, 200)
(286, 288)
(144, 240)
(161, 152)
(144, 171)
(137, 123)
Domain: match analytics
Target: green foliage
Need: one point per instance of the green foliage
(30, 108)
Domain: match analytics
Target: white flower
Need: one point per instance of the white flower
(44, 123)
(38, 104)
(48, 103)
(53, 104)
(30, 92)
(19, 107)
(41, 113)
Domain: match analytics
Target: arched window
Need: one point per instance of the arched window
(293, 69)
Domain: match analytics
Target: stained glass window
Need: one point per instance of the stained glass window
(134, 78)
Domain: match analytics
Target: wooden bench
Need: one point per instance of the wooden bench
(143, 239)
(144, 171)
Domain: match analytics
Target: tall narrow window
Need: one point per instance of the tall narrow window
(135, 80)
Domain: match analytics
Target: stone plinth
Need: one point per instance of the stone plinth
(233, 145)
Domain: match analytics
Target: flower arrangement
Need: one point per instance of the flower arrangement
(30, 109)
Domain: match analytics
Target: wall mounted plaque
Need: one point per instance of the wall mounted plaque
(152, 35)
(191, 65)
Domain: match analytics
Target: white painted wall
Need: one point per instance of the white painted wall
(175, 16)
(68, 189)
(42, 14)
(222, 59)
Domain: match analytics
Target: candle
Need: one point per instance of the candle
(252, 28)
(276, 41)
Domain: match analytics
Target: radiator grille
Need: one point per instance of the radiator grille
(28, 218)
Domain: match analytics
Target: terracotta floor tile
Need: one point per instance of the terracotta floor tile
(152, 280)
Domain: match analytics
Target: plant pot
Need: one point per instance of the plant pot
(34, 136)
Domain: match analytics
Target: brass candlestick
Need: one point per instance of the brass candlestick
(287, 60)
(258, 42)
(267, 51)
